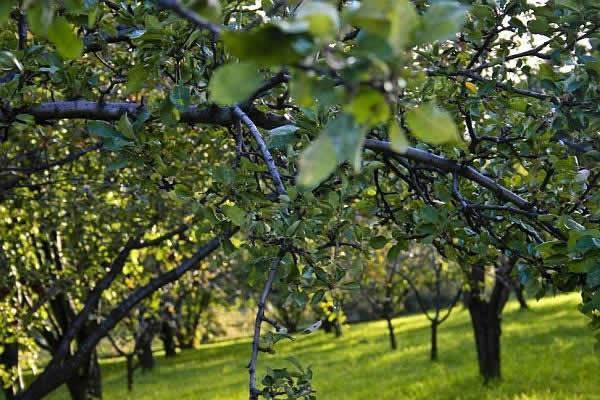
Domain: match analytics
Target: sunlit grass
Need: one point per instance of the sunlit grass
(546, 354)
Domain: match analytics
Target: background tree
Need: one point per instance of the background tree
(434, 284)
(385, 290)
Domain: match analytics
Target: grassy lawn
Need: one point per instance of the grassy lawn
(546, 354)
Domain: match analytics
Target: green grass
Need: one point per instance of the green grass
(546, 354)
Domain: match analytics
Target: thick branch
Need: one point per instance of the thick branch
(451, 166)
(112, 111)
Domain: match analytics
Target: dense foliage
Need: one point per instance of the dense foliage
(141, 140)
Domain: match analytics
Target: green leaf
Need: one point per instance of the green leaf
(393, 253)
(102, 129)
(267, 45)
(322, 18)
(113, 140)
(583, 266)
(317, 297)
(398, 141)
(209, 9)
(593, 278)
(280, 137)
(233, 83)
(378, 242)
(9, 61)
(291, 230)
(539, 25)
(125, 127)
(432, 125)
(316, 162)
(5, 9)
(62, 34)
(347, 139)
(369, 108)
(180, 97)
(235, 214)
(136, 78)
(340, 141)
(392, 20)
(592, 304)
(441, 21)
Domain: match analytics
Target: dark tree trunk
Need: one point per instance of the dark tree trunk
(434, 347)
(130, 369)
(9, 359)
(486, 321)
(145, 356)
(337, 327)
(327, 325)
(86, 383)
(392, 335)
(486, 326)
(167, 336)
(521, 297)
(148, 327)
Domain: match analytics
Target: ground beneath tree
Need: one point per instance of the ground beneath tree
(547, 354)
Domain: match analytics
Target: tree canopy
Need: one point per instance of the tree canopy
(141, 140)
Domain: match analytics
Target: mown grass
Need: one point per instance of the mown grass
(546, 354)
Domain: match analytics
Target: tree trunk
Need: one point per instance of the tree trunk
(145, 356)
(337, 327)
(521, 297)
(486, 321)
(86, 383)
(392, 335)
(10, 359)
(434, 346)
(486, 326)
(130, 370)
(167, 336)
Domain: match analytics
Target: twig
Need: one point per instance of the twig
(260, 318)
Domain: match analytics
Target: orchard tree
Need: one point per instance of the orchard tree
(383, 287)
(291, 132)
(431, 279)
